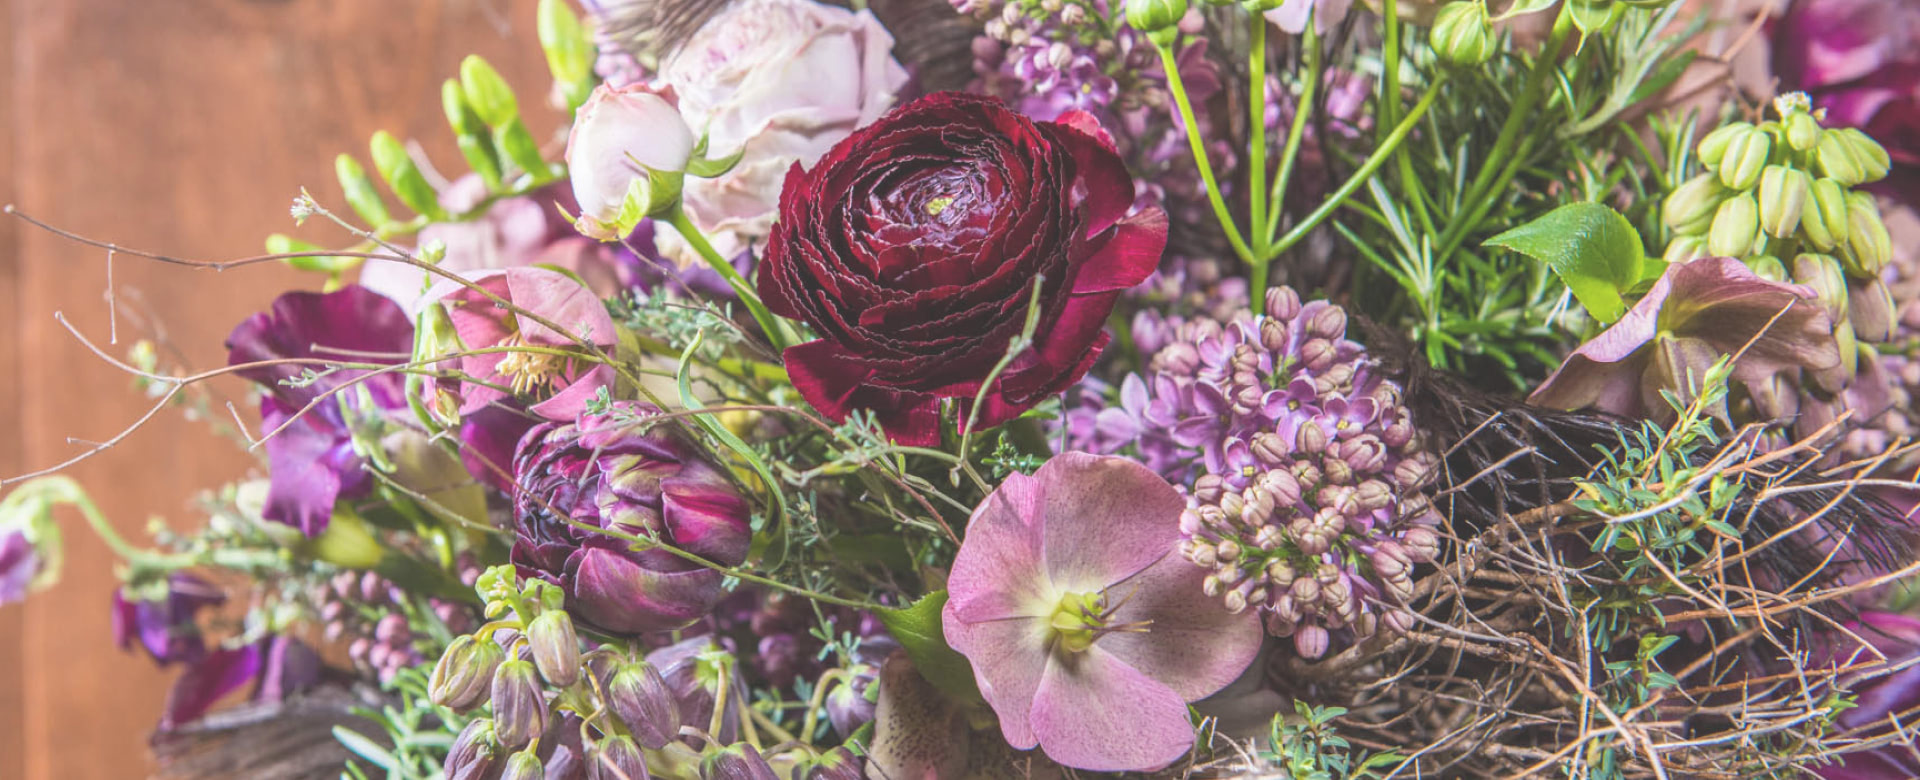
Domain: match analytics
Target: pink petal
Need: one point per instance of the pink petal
(1106, 518)
(1095, 712)
(571, 401)
(998, 573)
(1009, 656)
(561, 300)
(1194, 645)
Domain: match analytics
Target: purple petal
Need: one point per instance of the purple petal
(350, 324)
(207, 681)
(19, 564)
(1192, 643)
(306, 463)
(613, 592)
(1097, 713)
(998, 572)
(1105, 519)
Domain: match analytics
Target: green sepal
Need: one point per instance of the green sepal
(707, 168)
(514, 142)
(918, 630)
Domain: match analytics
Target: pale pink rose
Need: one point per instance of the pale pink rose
(784, 80)
(618, 136)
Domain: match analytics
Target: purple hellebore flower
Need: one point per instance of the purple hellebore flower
(1881, 700)
(563, 384)
(1859, 60)
(311, 461)
(1695, 313)
(1088, 635)
(166, 626)
(19, 564)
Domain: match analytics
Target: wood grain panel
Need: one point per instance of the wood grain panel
(185, 128)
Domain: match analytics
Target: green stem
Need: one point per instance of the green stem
(1389, 106)
(1257, 155)
(739, 368)
(1199, 149)
(135, 556)
(768, 324)
(1303, 109)
(1367, 169)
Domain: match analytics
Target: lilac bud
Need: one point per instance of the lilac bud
(1178, 359)
(1366, 624)
(1386, 565)
(737, 761)
(524, 765)
(519, 708)
(1399, 587)
(1270, 448)
(1210, 585)
(1191, 523)
(1305, 590)
(1310, 438)
(1317, 354)
(1311, 642)
(1422, 544)
(1236, 602)
(556, 649)
(1326, 320)
(1227, 551)
(1399, 620)
(1283, 303)
(1072, 15)
(1372, 494)
(1209, 488)
(1268, 537)
(1283, 486)
(372, 588)
(618, 758)
(1228, 574)
(473, 752)
(1307, 475)
(1338, 471)
(644, 702)
(1232, 505)
(1200, 553)
(1415, 470)
(1281, 573)
(460, 680)
(1259, 507)
(840, 763)
(1286, 612)
(1273, 335)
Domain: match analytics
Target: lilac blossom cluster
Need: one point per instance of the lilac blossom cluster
(1898, 362)
(1305, 468)
(365, 610)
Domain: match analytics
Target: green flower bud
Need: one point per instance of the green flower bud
(487, 93)
(1803, 131)
(1685, 249)
(1874, 161)
(1746, 155)
(519, 704)
(556, 648)
(1461, 33)
(1870, 308)
(1783, 191)
(470, 134)
(390, 158)
(460, 116)
(1839, 159)
(524, 765)
(1690, 207)
(360, 193)
(1734, 226)
(1823, 218)
(1767, 267)
(569, 49)
(1713, 148)
(1159, 19)
(1869, 248)
(461, 679)
(1822, 273)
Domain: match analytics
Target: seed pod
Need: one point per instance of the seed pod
(1746, 155)
(1713, 148)
(1839, 160)
(1823, 218)
(556, 648)
(1829, 283)
(1783, 193)
(1689, 209)
(1734, 226)
(1869, 247)
(461, 679)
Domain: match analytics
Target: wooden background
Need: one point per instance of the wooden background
(184, 127)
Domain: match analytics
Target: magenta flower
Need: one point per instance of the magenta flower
(1088, 635)
(1695, 313)
(557, 385)
(19, 565)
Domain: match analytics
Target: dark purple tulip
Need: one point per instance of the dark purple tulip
(312, 461)
(166, 626)
(612, 471)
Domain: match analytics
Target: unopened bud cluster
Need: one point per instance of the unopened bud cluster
(1780, 197)
(1308, 502)
(367, 613)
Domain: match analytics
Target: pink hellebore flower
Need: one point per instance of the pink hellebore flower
(558, 385)
(1695, 313)
(1087, 634)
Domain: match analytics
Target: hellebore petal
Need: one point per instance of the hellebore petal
(1076, 718)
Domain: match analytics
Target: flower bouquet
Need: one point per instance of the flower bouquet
(1009, 388)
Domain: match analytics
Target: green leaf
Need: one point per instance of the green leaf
(917, 629)
(707, 168)
(1593, 249)
(396, 166)
(364, 747)
(1523, 7)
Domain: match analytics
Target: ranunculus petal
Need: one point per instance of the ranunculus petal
(1094, 712)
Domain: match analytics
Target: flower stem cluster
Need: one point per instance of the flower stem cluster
(1308, 506)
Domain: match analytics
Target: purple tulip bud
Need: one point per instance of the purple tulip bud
(519, 706)
(556, 649)
(736, 762)
(1311, 641)
(462, 678)
(473, 752)
(852, 705)
(640, 697)
(524, 765)
(618, 758)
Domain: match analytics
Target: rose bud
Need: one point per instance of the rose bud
(642, 700)
(519, 705)
(613, 471)
(626, 153)
(618, 759)
(738, 761)
(524, 765)
(556, 649)
(460, 680)
(920, 247)
(473, 752)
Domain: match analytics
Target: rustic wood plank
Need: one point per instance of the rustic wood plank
(184, 128)
(12, 619)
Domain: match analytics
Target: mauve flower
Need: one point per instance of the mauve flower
(1697, 312)
(619, 136)
(1088, 634)
(166, 626)
(312, 461)
(914, 247)
(1859, 60)
(278, 666)
(19, 564)
(781, 81)
(624, 471)
(1881, 698)
(558, 387)
(1292, 15)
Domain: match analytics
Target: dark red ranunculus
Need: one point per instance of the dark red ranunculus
(912, 249)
